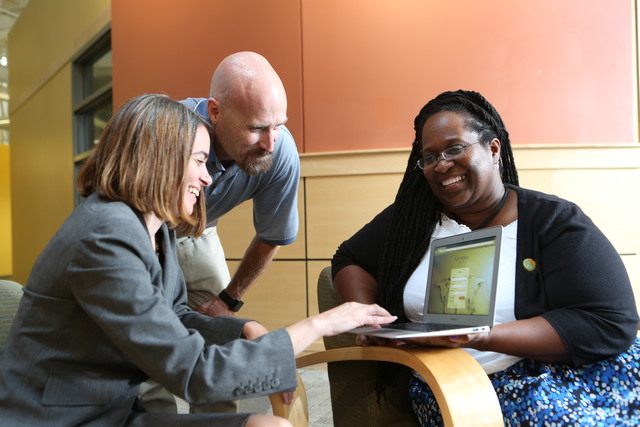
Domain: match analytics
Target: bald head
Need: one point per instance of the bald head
(246, 77)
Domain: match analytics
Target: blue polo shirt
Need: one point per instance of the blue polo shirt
(274, 193)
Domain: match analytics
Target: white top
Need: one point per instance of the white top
(414, 292)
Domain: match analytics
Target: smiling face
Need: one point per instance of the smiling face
(470, 182)
(196, 175)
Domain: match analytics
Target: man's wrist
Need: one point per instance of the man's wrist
(232, 303)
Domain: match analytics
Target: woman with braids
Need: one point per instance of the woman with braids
(564, 348)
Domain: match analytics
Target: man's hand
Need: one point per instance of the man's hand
(215, 307)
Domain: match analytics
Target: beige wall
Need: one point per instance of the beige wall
(42, 187)
(42, 43)
(340, 192)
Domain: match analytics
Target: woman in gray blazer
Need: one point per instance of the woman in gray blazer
(105, 305)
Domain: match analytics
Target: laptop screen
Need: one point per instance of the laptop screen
(462, 276)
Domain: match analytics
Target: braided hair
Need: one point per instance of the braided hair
(416, 209)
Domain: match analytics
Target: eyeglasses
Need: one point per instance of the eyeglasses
(448, 154)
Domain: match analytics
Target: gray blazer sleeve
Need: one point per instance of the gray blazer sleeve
(118, 282)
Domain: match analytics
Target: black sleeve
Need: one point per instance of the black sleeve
(363, 248)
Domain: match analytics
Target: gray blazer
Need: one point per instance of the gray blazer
(101, 312)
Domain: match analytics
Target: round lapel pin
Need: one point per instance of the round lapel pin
(529, 264)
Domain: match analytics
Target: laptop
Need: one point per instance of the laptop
(461, 286)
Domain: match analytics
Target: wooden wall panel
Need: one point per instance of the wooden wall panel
(339, 206)
(612, 207)
(279, 297)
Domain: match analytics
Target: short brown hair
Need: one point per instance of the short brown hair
(142, 157)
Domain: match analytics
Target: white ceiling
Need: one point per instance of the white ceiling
(9, 12)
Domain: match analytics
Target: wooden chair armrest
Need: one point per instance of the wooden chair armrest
(461, 387)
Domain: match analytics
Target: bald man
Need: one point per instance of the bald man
(252, 156)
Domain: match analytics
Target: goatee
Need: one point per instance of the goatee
(256, 162)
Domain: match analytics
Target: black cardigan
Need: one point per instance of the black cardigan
(580, 285)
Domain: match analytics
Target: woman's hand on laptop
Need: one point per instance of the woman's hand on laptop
(343, 318)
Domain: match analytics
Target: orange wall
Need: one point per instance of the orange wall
(164, 46)
(358, 71)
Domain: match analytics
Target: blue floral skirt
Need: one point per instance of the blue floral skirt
(550, 394)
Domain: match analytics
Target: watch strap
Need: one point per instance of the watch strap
(232, 303)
